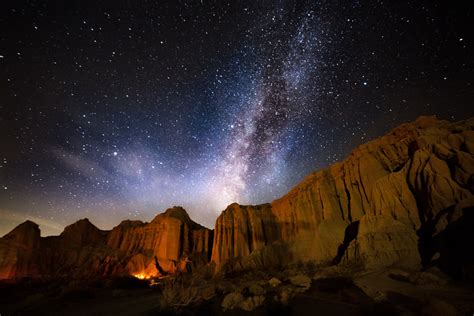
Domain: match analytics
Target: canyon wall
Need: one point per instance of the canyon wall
(171, 242)
(384, 205)
(405, 199)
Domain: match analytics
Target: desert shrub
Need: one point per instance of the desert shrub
(207, 273)
(178, 293)
(204, 272)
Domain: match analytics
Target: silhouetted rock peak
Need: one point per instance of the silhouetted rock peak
(26, 226)
(82, 232)
(131, 223)
(27, 233)
(176, 212)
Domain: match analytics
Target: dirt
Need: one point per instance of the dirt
(329, 296)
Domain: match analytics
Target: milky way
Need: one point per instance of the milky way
(122, 110)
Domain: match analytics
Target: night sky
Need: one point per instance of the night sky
(122, 109)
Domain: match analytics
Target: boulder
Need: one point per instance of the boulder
(301, 281)
(232, 300)
(274, 282)
(256, 289)
(250, 303)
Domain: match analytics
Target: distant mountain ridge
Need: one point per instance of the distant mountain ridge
(405, 199)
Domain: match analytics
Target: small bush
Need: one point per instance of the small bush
(177, 294)
(204, 272)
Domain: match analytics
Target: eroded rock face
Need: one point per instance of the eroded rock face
(171, 242)
(405, 199)
(243, 229)
(19, 251)
(169, 239)
(82, 233)
(381, 206)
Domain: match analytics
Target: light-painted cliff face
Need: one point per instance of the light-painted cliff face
(243, 229)
(172, 240)
(390, 187)
(169, 238)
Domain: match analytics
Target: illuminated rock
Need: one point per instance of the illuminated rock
(171, 242)
(170, 238)
(403, 199)
(370, 208)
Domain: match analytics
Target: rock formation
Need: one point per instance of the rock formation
(384, 205)
(19, 250)
(405, 199)
(170, 242)
(171, 237)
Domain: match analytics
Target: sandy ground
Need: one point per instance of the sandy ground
(375, 293)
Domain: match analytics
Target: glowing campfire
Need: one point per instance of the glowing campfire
(141, 276)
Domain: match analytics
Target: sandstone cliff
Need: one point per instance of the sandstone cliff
(168, 238)
(404, 199)
(19, 250)
(172, 241)
(384, 205)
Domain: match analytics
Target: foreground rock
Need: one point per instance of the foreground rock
(232, 300)
(301, 281)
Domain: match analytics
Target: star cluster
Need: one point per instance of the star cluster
(120, 110)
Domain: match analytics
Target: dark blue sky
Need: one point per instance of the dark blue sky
(120, 110)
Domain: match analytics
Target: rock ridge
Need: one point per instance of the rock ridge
(405, 199)
(385, 204)
(172, 242)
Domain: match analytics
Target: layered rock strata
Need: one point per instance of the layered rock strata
(384, 205)
(172, 241)
(405, 199)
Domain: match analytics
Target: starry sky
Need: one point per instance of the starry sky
(121, 109)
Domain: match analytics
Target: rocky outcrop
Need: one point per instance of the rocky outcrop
(381, 206)
(405, 199)
(82, 233)
(170, 239)
(19, 251)
(171, 242)
(243, 229)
